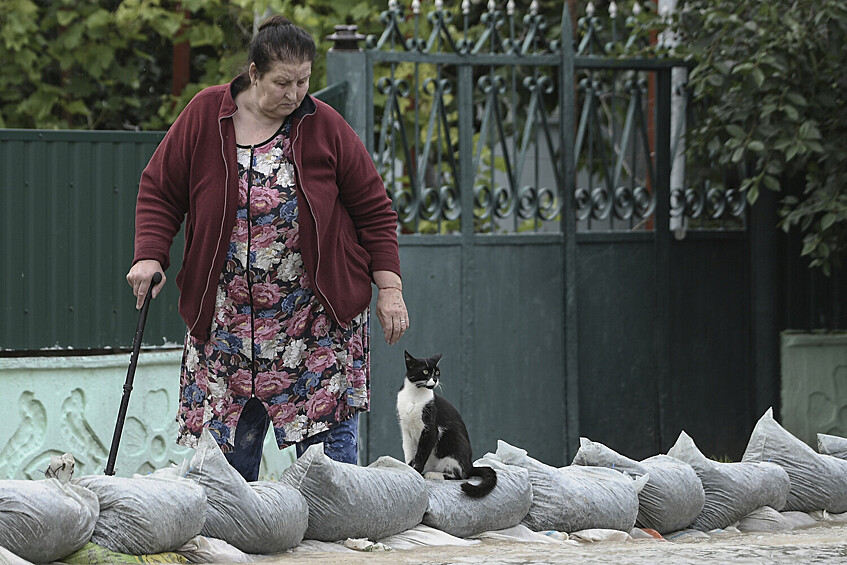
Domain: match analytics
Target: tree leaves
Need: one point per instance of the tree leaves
(768, 87)
(98, 64)
(736, 131)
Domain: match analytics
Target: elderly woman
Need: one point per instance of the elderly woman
(287, 225)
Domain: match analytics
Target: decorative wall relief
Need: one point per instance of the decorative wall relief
(827, 410)
(27, 437)
(71, 404)
(814, 384)
(149, 445)
(80, 438)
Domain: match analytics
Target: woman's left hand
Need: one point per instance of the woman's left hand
(392, 314)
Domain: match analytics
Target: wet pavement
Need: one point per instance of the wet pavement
(823, 543)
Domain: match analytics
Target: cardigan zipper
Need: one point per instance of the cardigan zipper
(249, 277)
(223, 218)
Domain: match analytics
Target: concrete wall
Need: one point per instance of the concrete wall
(814, 384)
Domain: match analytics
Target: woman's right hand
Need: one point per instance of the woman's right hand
(139, 277)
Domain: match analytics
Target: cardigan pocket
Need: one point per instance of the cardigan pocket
(357, 256)
(352, 284)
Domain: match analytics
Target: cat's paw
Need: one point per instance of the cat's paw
(434, 475)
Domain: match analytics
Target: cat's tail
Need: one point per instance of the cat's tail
(488, 480)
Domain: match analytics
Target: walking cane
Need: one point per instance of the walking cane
(130, 375)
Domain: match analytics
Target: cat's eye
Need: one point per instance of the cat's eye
(426, 371)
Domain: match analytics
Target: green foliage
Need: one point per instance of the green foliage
(108, 64)
(769, 86)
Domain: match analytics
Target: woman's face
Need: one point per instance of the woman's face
(281, 90)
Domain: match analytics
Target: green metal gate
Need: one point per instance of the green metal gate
(571, 288)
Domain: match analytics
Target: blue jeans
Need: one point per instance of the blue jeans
(340, 441)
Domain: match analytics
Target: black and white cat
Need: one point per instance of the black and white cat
(435, 439)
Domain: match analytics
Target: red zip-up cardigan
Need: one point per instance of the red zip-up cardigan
(347, 226)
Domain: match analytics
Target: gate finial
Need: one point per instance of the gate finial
(345, 38)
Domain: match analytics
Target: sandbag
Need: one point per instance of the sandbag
(347, 501)
(201, 549)
(795, 519)
(824, 516)
(645, 534)
(732, 490)
(818, 482)
(9, 558)
(764, 519)
(832, 445)
(573, 498)
(424, 536)
(673, 495)
(686, 535)
(261, 517)
(42, 521)
(145, 515)
(521, 533)
(596, 535)
(450, 510)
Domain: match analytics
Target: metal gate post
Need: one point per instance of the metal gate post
(347, 67)
(466, 187)
(567, 107)
(764, 292)
(663, 243)
(346, 64)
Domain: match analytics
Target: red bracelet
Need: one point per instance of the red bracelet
(394, 287)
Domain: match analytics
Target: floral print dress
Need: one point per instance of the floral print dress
(270, 337)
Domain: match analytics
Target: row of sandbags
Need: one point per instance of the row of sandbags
(777, 473)
(44, 521)
(316, 498)
(320, 499)
(601, 489)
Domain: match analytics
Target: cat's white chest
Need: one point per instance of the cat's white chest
(411, 401)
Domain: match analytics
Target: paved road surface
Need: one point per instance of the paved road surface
(824, 543)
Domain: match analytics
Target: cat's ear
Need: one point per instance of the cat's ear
(436, 358)
(409, 358)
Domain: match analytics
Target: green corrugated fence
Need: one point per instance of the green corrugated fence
(67, 201)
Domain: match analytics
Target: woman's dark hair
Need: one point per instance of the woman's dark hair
(280, 40)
